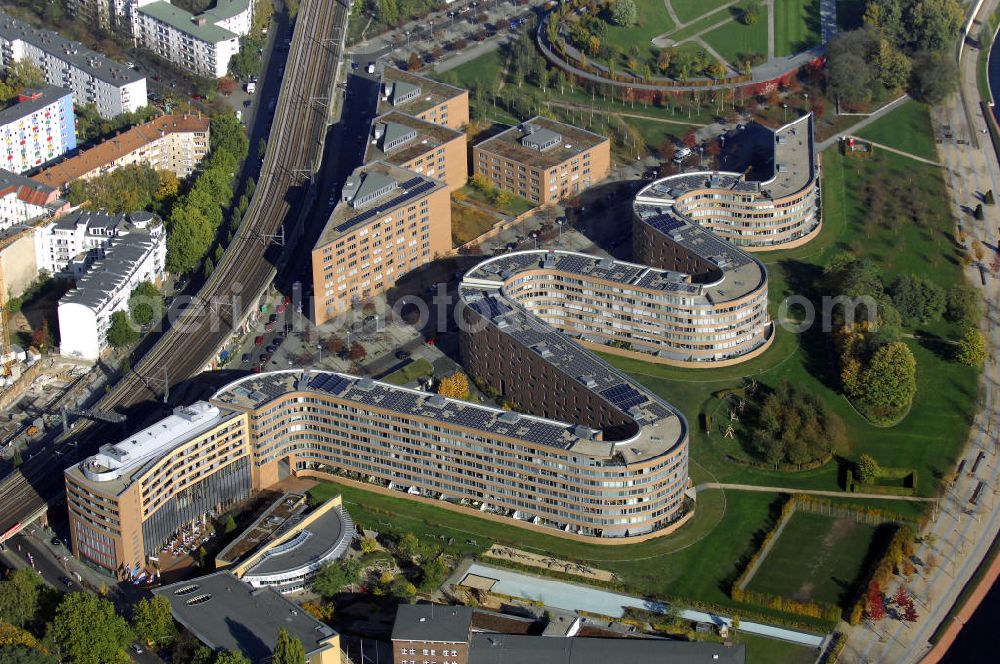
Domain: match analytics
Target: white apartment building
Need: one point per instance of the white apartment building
(131, 257)
(22, 200)
(94, 79)
(202, 44)
(37, 129)
(175, 143)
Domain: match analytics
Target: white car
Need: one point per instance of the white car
(371, 67)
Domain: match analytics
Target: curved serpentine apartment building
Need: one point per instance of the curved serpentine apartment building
(778, 212)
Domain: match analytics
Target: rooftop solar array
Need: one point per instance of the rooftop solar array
(410, 189)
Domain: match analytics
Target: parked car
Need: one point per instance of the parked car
(281, 308)
(246, 357)
(273, 318)
(55, 541)
(264, 357)
(402, 355)
(271, 348)
(259, 340)
(137, 649)
(269, 327)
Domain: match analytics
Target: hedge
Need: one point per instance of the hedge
(900, 546)
(907, 475)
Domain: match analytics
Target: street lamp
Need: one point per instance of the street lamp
(407, 37)
(784, 112)
(559, 222)
(534, 236)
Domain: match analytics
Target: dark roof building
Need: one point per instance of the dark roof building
(227, 614)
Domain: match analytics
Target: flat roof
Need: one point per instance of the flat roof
(116, 147)
(432, 93)
(227, 614)
(46, 95)
(75, 53)
(526, 649)
(113, 462)
(508, 143)
(772, 162)
(184, 21)
(324, 539)
(410, 187)
(432, 622)
(429, 137)
(111, 273)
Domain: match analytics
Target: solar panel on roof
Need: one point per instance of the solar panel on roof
(666, 223)
(624, 396)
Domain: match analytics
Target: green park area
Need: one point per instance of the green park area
(418, 368)
(907, 128)
(796, 26)
(817, 558)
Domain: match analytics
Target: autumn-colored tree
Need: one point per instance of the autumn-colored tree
(320, 610)
(690, 139)
(413, 63)
(357, 352)
(455, 386)
(227, 85)
(875, 604)
(334, 344)
(369, 545)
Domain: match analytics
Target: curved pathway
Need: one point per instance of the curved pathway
(705, 486)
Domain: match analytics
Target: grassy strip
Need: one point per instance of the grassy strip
(907, 128)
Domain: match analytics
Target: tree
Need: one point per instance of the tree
(434, 573)
(369, 545)
(89, 631)
(971, 348)
(917, 299)
(403, 589)
(388, 11)
(868, 469)
(121, 332)
(988, 198)
(624, 12)
(874, 603)
(231, 657)
(455, 386)
(408, 546)
(934, 77)
(229, 524)
(19, 594)
(357, 352)
(414, 63)
(962, 305)
(663, 60)
(145, 304)
(332, 578)
(932, 24)
(152, 620)
(23, 74)
(24, 654)
(320, 610)
(226, 85)
(892, 65)
(750, 13)
(168, 186)
(288, 650)
(889, 382)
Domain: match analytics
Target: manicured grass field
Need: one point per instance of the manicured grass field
(418, 368)
(796, 26)
(691, 9)
(653, 21)
(817, 558)
(704, 23)
(761, 650)
(468, 223)
(907, 128)
(930, 437)
(734, 38)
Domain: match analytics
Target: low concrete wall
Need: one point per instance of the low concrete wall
(653, 359)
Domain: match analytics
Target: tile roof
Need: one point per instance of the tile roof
(111, 149)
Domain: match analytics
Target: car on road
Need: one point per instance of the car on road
(137, 649)
(247, 103)
(402, 354)
(66, 581)
(55, 541)
(259, 340)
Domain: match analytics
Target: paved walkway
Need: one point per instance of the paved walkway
(705, 486)
(604, 111)
(828, 19)
(573, 597)
(962, 532)
(769, 5)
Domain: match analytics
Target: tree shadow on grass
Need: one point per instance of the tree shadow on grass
(804, 281)
(756, 540)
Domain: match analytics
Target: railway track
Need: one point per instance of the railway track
(294, 149)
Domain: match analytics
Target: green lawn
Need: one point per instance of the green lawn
(930, 437)
(653, 21)
(706, 22)
(418, 368)
(906, 128)
(655, 133)
(817, 558)
(695, 564)
(734, 38)
(687, 10)
(761, 650)
(516, 206)
(796, 25)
